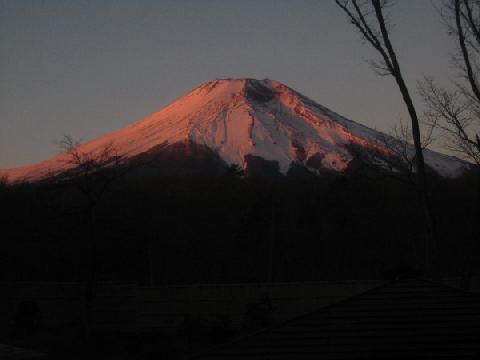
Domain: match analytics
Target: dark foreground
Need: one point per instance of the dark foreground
(409, 318)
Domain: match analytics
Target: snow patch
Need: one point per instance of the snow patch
(240, 117)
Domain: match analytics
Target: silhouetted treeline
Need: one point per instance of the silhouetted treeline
(158, 226)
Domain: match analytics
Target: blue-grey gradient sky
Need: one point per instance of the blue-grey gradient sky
(89, 67)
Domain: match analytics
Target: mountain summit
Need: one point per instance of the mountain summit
(241, 117)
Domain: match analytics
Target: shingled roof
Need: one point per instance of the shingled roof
(405, 319)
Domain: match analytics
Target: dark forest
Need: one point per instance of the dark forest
(203, 222)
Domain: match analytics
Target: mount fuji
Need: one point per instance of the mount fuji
(240, 118)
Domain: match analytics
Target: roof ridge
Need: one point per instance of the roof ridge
(327, 308)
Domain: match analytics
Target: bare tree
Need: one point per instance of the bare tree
(394, 153)
(369, 19)
(456, 111)
(92, 173)
(451, 113)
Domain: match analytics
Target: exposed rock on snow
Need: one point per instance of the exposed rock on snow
(241, 117)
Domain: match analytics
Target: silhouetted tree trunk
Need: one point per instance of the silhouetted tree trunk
(271, 244)
(456, 111)
(368, 17)
(92, 174)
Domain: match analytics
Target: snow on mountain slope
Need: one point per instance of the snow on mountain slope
(238, 117)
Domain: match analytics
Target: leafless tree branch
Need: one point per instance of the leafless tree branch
(375, 30)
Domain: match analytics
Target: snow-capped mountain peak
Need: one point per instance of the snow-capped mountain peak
(240, 117)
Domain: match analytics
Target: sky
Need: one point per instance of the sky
(86, 68)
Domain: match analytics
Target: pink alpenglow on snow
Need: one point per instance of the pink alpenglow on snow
(240, 117)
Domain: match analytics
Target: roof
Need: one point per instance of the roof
(405, 319)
